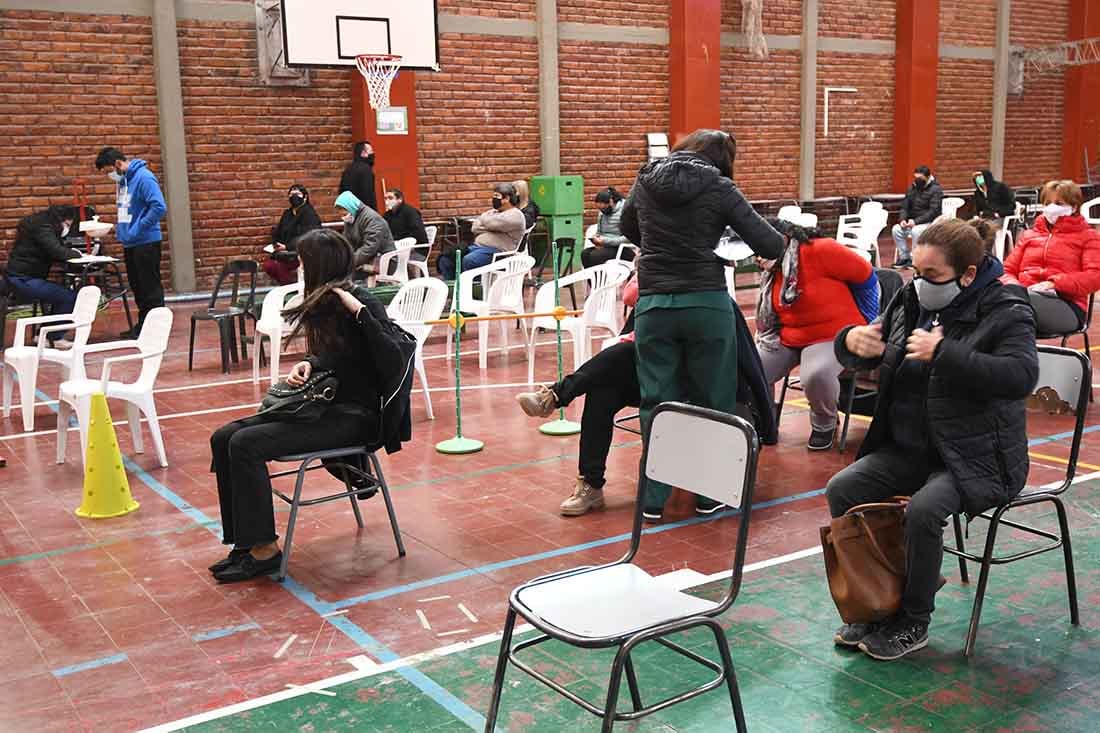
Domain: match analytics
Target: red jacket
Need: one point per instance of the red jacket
(1069, 257)
(825, 304)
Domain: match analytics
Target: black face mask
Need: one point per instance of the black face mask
(608, 210)
(497, 203)
(370, 158)
(296, 200)
(919, 182)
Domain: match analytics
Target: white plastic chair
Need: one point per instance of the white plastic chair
(502, 292)
(951, 207)
(422, 265)
(76, 394)
(789, 212)
(21, 361)
(600, 310)
(1087, 211)
(589, 235)
(272, 325)
(400, 268)
(417, 301)
(618, 606)
(521, 248)
(861, 230)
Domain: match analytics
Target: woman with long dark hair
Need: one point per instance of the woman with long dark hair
(687, 349)
(344, 330)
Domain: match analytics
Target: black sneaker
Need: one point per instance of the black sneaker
(902, 264)
(229, 560)
(248, 567)
(897, 637)
(653, 515)
(821, 439)
(705, 507)
(851, 635)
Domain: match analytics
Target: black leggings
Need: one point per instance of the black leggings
(241, 450)
(609, 382)
(592, 256)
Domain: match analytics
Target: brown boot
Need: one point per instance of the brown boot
(584, 499)
(538, 404)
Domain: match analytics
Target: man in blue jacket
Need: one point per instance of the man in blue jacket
(140, 209)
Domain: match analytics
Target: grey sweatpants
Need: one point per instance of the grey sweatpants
(818, 371)
(935, 498)
(1052, 314)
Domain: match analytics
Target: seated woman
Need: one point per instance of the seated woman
(816, 287)
(956, 357)
(366, 231)
(38, 244)
(529, 208)
(343, 326)
(608, 234)
(1057, 260)
(299, 218)
(609, 382)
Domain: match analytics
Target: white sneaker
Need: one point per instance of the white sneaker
(61, 344)
(584, 499)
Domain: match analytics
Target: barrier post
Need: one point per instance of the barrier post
(561, 426)
(458, 445)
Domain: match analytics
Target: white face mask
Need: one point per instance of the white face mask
(64, 229)
(391, 205)
(1054, 212)
(115, 176)
(348, 218)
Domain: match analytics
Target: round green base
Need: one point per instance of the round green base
(560, 427)
(458, 446)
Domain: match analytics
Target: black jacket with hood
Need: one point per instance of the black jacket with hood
(37, 246)
(973, 412)
(923, 203)
(677, 210)
(997, 199)
(358, 178)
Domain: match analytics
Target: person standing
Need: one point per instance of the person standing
(299, 218)
(39, 242)
(140, 210)
(684, 323)
(359, 175)
(923, 203)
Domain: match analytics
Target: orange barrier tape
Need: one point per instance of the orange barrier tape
(457, 320)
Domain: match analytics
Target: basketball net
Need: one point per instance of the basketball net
(379, 71)
(752, 26)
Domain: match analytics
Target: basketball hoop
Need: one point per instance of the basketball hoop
(379, 71)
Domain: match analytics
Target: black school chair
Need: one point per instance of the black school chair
(231, 315)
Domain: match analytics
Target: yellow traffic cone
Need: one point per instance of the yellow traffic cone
(106, 489)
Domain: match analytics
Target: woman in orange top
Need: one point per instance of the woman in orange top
(816, 287)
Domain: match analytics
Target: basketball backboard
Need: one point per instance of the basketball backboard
(333, 32)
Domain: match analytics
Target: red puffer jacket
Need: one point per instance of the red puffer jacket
(1068, 256)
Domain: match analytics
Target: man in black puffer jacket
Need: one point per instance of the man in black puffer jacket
(39, 243)
(957, 359)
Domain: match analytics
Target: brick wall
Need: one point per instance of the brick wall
(780, 17)
(970, 22)
(866, 19)
(488, 8)
(640, 13)
(964, 120)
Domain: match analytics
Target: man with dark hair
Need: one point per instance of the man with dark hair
(405, 221)
(39, 242)
(359, 175)
(923, 203)
(500, 229)
(140, 208)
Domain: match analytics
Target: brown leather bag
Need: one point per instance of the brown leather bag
(865, 560)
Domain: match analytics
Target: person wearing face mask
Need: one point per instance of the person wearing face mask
(500, 229)
(956, 358)
(529, 208)
(1057, 260)
(299, 218)
(358, 177)
(923, 203)
(678, 209)
(993, 200)
(405, 222)
(366, 230)
(39, 242)
(609, 234)
(140, 210)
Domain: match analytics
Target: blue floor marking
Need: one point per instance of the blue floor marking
(93, 664)
(222, 633)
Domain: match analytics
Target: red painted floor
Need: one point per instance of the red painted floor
(116, 624)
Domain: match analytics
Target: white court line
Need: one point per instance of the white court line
(286, 645)
(341, 612)
(454, 633)
(466, 612)
(433, 598)
(423, 619)
(307, 688)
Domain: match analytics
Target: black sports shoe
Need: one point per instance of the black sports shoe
(902, 264)
(248, 567)
(705, 507)
(821, 439)
(851, 635)
(653, 515)
(896, 638)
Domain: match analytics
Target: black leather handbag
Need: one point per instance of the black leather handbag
(304, 403)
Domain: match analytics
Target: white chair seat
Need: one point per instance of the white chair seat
(77, 388)
(609, 601)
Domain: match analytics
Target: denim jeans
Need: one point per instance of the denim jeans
(475, 256)
(60, 298)
(901, 240)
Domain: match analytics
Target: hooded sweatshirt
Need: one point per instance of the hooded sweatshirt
(369, 234)
(140, 206)
(996, 200)
(677, 211)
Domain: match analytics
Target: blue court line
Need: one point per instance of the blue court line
(93, 664)
(1060, 436)
(222, 633)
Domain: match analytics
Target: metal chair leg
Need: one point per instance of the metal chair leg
(502, 666)
(292, 519)
(782, 399)
(847, 416)
(731, 676)
(632, 683)
(354, 500)
(983, 581)
(613, 686)
(964, 572)
(190, 348)
(389, 504)
(1067, 553)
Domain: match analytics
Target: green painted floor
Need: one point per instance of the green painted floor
(1032, 671)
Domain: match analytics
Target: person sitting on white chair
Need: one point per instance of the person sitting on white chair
(38, 244)
(405, 222)
(608, 234)
(923, 203)
(500, 229)
(366, 231)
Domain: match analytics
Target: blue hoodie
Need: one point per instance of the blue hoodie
(140, 194)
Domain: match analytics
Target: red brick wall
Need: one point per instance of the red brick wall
(780, 17)
(970, 22)
(488, 8)
(867, 19)
(964, 120)
(641, 13)
(760, 105)
(857, 157)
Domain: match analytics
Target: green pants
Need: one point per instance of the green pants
(687, 352)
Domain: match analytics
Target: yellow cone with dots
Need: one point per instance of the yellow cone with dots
(106, 489)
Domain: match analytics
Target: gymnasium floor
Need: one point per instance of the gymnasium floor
(115, 625)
